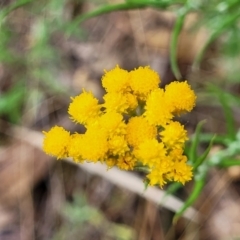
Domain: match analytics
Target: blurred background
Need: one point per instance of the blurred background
(47, 56)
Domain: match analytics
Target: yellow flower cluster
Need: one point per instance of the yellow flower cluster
(133, 127)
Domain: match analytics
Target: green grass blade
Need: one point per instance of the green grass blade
(225, 100)
(202, 158)
(199, 184)
(192, 154)
(5, 11)
(130, 5)
(226, 23)
(228, 116)
(173, 45)
(172, 189)
(229, 163)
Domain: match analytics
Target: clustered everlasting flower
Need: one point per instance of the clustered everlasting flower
(134, 126)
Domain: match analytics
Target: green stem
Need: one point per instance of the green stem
(142, 169)
(173, 45)
(172, 189)
(195, 141)
(199, 184)
(202, 158)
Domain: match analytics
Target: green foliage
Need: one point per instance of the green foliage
(220, 17)
(12, 101)
(36, 62)
(81, 221)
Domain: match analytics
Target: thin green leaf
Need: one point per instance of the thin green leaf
(225, 102)
(5, 11)
(225, 24)
(11, 101)
(172, 189)
(206, 138)
(202, 158)
(192, 154)
(229, 163)
(228, 116)
(173, 44)
(129, 5)
(199, 184)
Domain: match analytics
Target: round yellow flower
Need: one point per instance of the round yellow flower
(143, 80)
(116, 80)
(174, 135)
(157, 112)
(176, 154)
(150, 152)
(156, 177)
(75, 147)
(179, 97)
(131, 100)
(118, 145)
(95, 145)
(182, 172)
(112, 123)
(158, 173)
(126, 162)
(56, 141)
(84, 108)
(138, 130)
(115, 102)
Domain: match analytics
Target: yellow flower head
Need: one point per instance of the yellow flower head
(176, 155)
(182, 172)
(143, 80)
(56, 141)
(150, 152)
(112, 123)
(138, 130)
(157, 112)
(118, 145)
(179, 97)
(174, 135)
(126, 162)
(115, 102)
(156, 177)
(84, 108)
(95, 145)
(131, 100)
(116, 80)
(75, 147)
(158, 174)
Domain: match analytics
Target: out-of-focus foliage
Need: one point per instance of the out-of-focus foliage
(220, 17)
(11, 102)
(81, 221)
(29, 53)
